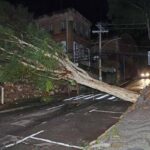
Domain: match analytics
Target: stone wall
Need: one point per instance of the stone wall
(13, 92)
(22, 91)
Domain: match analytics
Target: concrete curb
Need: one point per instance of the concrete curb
(15, 109)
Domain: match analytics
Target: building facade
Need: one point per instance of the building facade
(118, 63)
(72, 30)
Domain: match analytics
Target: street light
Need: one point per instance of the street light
(100, 31)
(118, 38)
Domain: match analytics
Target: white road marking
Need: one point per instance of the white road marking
(82, 96)
(68, 99)
(88, 96)
(77, 97)
(115, 117)
(92, 110)
(102, 145)
(55, 107)
(111, 98)
(22, 123)
(14, 109)
(24, 139)
(92, 96)
(103, 111)
(101, 97)
(57, 143)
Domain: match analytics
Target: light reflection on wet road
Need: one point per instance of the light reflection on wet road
(138, 85)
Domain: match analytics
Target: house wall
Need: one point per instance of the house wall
(68, 27)
(116, 54)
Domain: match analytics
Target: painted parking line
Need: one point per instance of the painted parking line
(57, 143)
(32, 136)
(103, 96)
(92, 96)
(22, 140)
(104, 111)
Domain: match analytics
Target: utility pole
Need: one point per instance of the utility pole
(100, 31)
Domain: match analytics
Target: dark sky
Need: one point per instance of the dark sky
(94, 10)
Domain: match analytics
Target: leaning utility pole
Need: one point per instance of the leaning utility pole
(100, 31)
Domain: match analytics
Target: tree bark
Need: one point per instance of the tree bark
(81, 77)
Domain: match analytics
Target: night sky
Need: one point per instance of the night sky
(94, 10)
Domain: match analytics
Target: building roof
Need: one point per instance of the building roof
(72, 10)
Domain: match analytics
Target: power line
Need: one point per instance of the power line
(135, 45)
(121, 28)
(130, 26)
(126, 53)
(123, 53)
(125, 24)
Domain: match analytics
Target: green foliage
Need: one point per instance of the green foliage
(43, 83)
(15, 17)
(22, 42)
(49, 86)
(72, 82)
(39, 41)
(47, 99)
(13, 72)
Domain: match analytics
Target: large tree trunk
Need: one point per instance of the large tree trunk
(81, 77)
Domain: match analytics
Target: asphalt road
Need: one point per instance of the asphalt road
(138, 85)
(67, 126)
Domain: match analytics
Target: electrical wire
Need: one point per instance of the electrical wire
(119, 28)
(127, 24)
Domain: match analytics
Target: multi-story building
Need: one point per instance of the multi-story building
(118, 61)
(71, 29)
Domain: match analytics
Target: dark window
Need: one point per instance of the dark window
(51, 30)
(63, 26)
(75, 27)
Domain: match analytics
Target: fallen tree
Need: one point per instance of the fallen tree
(34, 55)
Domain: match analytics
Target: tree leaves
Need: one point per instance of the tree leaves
(49, 86)
(22, 42)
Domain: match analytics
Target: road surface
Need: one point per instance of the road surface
(138, 85)
(67, 126)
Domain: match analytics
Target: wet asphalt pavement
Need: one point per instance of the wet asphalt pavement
(138, 85)
(69, 125)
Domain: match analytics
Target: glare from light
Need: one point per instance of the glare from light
(147, 74)
(142, 75)
(145, 82)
